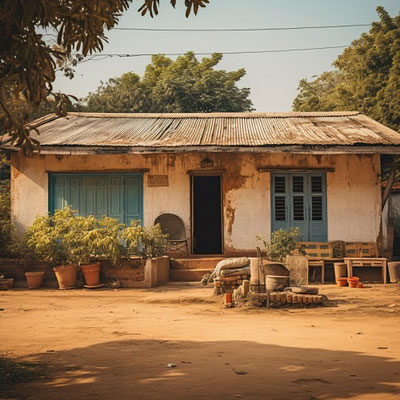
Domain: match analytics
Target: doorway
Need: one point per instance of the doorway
(206, 214)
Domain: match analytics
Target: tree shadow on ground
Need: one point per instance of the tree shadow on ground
(138, 369)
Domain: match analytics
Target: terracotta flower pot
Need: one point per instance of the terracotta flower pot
(34, 279)
(341, 282)
(6, 284)
(66, 276)
(353, 282)
(91, 273)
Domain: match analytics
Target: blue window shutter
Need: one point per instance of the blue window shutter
(116, 195)
(318, 208)
(279, 202)
(133, 198)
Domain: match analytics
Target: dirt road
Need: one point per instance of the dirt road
(116, 344)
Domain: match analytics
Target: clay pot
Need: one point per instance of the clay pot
(353, 282)
(34, 279)
(276, 282)
(6, 284)
(91, 273)
(341, 282)
(66, 276)
(394, 271)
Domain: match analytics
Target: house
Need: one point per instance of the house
(228, 176)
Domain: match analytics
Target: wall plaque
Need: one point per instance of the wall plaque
(157, 180)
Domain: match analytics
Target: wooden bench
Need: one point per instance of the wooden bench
(321, 253)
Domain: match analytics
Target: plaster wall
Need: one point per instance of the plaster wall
(353, 189)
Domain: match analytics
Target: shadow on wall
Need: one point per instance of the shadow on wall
(137, 369)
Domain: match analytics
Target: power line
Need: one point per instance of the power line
(290, 28)
(128, 55)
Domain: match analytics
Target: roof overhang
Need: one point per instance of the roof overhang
(295, 149)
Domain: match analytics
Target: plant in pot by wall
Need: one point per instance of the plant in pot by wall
(104, 239)
(146, 242)
(282, 243)
(44, 239)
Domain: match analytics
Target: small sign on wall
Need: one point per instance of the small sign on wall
(157, 180)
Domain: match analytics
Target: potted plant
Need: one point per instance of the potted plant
(282, 244)
(103, 238)
(44, 239)
(147, 242)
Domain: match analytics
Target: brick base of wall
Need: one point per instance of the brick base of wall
(129, 272)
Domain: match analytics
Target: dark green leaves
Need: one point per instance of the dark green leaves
(183, 85)
(366, 78)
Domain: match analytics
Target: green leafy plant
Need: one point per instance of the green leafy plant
(145, 241)
(105, 239)
(7, 240)
(282, 244)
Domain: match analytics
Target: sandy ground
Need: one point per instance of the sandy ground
(116, 344)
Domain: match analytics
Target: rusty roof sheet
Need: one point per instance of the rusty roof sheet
(214, 129)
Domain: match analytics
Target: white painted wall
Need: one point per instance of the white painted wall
(353, 189)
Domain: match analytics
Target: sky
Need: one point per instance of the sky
(272, 78)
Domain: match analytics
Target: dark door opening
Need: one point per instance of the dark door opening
(206, 215)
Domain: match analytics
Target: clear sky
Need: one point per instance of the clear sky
(272, 78)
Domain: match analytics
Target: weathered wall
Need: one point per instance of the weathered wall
(353, 189)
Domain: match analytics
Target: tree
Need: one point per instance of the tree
(28, 62)
(184, 85)
(366, 77)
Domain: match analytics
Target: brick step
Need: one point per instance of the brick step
(187, 275)
(194, 263)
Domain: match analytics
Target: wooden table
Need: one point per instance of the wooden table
(365, 262)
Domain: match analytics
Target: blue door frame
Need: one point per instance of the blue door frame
(299, 200)
(117, 195)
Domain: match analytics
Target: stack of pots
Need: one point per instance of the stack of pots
(353, 281)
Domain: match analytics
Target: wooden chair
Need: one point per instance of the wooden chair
(172, 225)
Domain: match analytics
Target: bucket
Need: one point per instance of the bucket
(394, 271)
(276, 282)
(340, 270)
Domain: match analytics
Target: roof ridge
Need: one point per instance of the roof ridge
(219, 114)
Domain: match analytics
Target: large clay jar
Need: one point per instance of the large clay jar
(34, 279)
(66, 276)
(91, 273)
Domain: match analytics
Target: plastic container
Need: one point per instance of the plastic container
(394, 271)
(340, 270)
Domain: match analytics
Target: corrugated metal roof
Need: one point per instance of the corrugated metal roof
(214, 129)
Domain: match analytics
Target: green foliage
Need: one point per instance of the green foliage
(104, 238)
(7, 247)
(183, 85)
(366, 77)
(147, 241)
(282, 244)
(28, 60)
(69, 238)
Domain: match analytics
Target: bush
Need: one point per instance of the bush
(145, 241)
(7, 243)
(68, 238)
(282, 244)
